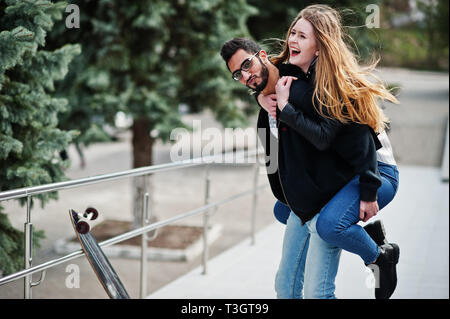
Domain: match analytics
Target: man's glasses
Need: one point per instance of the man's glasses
(245, 66)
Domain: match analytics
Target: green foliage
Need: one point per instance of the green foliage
(421, 44)
(12, 248)
(145, 58)
(435, 27)
(29, 137)
(402, 48)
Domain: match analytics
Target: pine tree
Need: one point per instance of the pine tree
(29, 137)
(145, 58)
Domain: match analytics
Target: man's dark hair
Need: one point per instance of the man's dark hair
(230, 47)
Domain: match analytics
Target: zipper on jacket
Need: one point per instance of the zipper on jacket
(282, 190)
(278, 160)
(278, 170)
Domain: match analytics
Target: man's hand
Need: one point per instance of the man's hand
(282, 90)
(269, 103)
(367, 210)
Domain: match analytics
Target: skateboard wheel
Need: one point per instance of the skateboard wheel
(83, 227)
(91, 210)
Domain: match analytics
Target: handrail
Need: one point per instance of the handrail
(122, 237)
(35, 190)
(444, 163)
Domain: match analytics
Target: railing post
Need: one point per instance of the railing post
(445, 164)
(28, 253)
(254, 201)
(144, 244)
(206, 220)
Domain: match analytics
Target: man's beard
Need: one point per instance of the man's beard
(264, 77)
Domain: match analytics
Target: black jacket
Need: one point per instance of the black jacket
(316, 156)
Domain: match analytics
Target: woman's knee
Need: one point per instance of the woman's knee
(327, 228)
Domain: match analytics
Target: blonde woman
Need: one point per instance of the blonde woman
(317, 66)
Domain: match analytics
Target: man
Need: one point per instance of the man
(310, 169)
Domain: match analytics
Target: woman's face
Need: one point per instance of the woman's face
(302, 44)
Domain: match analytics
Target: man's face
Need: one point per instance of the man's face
(256, 76)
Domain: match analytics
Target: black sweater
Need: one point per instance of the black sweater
(316, 156)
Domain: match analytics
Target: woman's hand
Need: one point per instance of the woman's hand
(282, 90)
(269, 103)
(367, 210)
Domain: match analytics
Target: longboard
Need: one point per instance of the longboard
(95, 255)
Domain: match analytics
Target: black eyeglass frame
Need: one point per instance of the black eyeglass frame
(237, 75)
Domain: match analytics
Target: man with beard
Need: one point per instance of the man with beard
(240, 55)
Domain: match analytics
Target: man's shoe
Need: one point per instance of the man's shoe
(376, 232)
(385, 271)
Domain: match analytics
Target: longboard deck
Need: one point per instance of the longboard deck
(99, 262)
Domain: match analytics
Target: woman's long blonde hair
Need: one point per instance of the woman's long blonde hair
(342, 86)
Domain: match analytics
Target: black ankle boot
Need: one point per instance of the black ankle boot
(376, 232)
(385, 271)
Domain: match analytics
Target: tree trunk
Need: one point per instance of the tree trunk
(142, 156)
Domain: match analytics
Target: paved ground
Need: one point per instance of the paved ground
(417, 134)
(418, 123)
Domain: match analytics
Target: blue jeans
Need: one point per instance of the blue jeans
(337, 223)
(309, 263)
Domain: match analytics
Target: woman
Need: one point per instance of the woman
(317, 54)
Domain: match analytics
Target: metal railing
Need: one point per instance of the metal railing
(445, 158)
(28, 192)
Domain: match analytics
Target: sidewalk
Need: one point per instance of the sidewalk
(417, 219)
